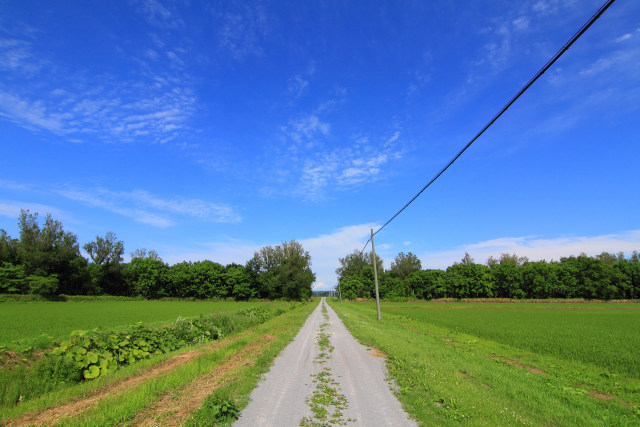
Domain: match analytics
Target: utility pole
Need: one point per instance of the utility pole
(375, 274)
(339, 291)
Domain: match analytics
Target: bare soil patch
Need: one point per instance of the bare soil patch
(374, 352)
(513, 362)
(75, 408)
(601, 396)
(174, 407)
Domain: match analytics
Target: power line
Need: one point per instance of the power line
(548, 65)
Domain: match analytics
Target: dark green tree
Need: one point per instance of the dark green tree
(108, 271)
(47, 251)
(404, 265)
(283, 271)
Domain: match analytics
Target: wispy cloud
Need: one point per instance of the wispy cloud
(150, 209)
(124, 112)
(17, 56)
(345, 167)
(306, 129)
(158, 14)
(32, 114)
(536, 248)
(11, 209)
(41, 95)
(226, 252)
(298, 84)
(241, 32)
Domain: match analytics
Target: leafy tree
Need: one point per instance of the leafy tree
(12, 279)
(513, 259)
(391, 287)
(507, 279)
(8, 248)
(476, 283)
(283, 271)
(355, 264)
(238, 282)
(295, 271)
(351, 287)
(142, 253)
(208, 279)
(149, 276)
(106, 254)
(428, 284)
(107, 250)
(466, 260)
(404, 265)
(539, 280)
(48, 251)
(44, 286)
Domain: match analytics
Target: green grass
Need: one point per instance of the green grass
(120, 408)
(606, 335)
(27, 324)
(450, 368)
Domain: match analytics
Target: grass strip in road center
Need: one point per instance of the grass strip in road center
(326, 402)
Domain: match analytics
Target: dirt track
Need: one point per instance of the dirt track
(345, 377)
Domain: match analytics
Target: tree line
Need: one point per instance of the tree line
(605, 276)
(46, 260)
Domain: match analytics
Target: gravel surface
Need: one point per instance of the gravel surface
(351, 377)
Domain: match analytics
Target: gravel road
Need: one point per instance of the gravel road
(325, 376)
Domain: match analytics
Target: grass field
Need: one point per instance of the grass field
(30, 323)
(184, 386)
(606, 335)
(497, 364)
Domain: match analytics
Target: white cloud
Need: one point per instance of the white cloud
(621, 59)
(232, 251)
(624, 37)
(74, 104)
(241, 32)
(343, 168)
(521, 23)
(297, 86)
(307, 128)
(148, 209)
(158, 14)
(326, 249)
(30, 114)
(12, 209)
(536, 248)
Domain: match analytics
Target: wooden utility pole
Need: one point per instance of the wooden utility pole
(339, 291)
(375, 274)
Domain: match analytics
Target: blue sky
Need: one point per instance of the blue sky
(206, 130)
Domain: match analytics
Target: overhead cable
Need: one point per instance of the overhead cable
(548, 65)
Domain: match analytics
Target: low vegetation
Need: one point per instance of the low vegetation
(87, 355)
(531, 364)
(36, 325)
(202, 382)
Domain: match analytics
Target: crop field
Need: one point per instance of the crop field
(497, 364)
(32, 322)
(605, 335)
(167, 370)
